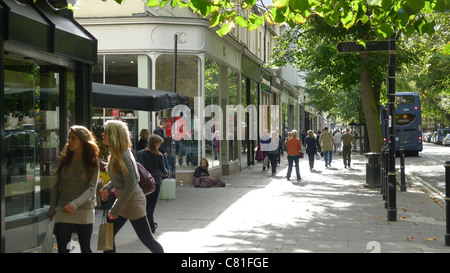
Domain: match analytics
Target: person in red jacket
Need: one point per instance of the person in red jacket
(294, 146)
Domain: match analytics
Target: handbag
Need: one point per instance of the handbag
(49, 240)
(301, 154)
(146, 180)
(105, 234)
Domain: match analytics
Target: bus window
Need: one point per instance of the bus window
(405, 100)
(404, 119)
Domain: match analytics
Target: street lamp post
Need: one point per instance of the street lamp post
(391, 189)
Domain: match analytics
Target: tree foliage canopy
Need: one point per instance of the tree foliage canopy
(382, 15)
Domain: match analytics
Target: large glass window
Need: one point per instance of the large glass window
(32, 132)
(187, 149)
(119, 69)
(212, 147)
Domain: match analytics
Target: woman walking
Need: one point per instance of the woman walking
(311, 148)
(153, 160)
(131, 202)
(294, 147)
(73, 199)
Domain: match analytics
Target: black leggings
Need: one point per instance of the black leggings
(63, 233)
(142, 229)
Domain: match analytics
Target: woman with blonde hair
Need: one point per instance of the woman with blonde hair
(153, 161)
(131, 202)
(73, 199)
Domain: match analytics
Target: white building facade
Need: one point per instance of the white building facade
(136, 48)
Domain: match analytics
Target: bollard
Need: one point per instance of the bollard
(385, 177)
(373, 170)
(383, 157)
(402, 170)
(447, 201)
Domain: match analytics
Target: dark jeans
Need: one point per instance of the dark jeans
(152, 199)
(347, 154)
(142, 229)
(291, 160)
(311, 158)
(273, 162)
(63, 233)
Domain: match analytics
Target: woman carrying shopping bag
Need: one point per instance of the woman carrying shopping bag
(73, 199)
(131, 202)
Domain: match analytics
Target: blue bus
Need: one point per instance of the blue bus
(408, 121)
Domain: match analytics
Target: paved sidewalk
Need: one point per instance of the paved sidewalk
(328, 211)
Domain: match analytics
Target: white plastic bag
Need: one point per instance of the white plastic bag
(47, 244)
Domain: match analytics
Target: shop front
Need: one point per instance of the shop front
(44, 89)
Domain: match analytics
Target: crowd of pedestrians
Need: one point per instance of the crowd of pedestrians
(317, 146)
(73, 200)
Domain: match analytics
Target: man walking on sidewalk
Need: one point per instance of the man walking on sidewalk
(347, 141)
(326, 141)
(294, 147)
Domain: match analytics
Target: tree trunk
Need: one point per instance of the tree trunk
(370, 107)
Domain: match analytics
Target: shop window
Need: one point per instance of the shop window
(212, 85)
(187, 150)
(119, 69)
(32, 133)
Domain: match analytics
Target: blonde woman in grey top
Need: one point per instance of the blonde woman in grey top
(131, 202)
(73, 198)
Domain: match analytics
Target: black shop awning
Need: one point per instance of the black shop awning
(134, 98)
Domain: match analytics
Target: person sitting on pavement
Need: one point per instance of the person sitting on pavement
(202, 179)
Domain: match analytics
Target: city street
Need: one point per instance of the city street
(328, 211)
(427, 170)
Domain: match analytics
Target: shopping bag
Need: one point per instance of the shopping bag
(49, 240)
(105, 235)
(318, 157)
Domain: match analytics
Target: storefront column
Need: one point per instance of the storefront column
(144, 82)
(224, 150)
(83, 91)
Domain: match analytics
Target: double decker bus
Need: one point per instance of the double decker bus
(408, 121)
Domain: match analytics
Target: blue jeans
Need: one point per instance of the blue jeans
(291, 160)
(327, 156)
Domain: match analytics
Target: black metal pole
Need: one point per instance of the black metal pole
(402, 170)
(392, 209)
(175, 63)
(447, 201)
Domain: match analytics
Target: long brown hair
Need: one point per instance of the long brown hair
(152, 142)
(91, 152)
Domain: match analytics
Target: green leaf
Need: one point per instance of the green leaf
(227, 27)
(384, 30)
(386, 4)
(331, 17)
(348, 19)
(299, 6)
(152, 3)
(278, 16)
(280, 3)
(240, 20)
(216, 19)
(416, 4)
(254, 21)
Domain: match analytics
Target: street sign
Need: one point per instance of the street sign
(347, 47)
